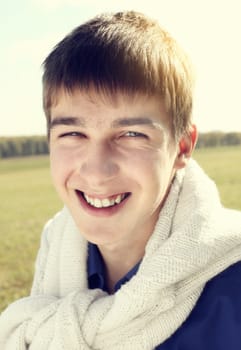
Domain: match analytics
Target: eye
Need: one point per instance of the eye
(71, 134)
(134, 134)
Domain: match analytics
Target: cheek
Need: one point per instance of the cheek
(160, 171)
(60, 166)
(154, 167)
(153, 171)
(157, 161)
(141, 158)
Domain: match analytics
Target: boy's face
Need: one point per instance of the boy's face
(112, 162)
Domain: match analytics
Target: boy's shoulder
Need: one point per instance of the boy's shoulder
(221, 298)
(227, 282)
(215, 321)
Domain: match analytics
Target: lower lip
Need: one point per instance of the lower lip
(101, 212)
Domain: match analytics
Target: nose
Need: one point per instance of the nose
(100, 163)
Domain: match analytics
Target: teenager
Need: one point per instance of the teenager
(143, 255)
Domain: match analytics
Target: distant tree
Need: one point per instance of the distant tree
(23, 146)
(232, 138)
(216, 139)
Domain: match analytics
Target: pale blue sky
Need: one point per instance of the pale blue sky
(209, 30)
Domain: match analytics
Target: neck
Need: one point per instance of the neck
(119, 261)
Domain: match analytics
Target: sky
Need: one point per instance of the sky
(208, 30)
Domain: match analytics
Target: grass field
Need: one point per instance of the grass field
(28, 200)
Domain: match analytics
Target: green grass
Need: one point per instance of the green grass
(223, 165)
(28, 200)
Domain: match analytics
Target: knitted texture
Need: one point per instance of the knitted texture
(195, 238)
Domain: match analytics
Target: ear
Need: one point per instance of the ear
(186, 146)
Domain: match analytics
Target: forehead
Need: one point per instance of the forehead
(97, 108)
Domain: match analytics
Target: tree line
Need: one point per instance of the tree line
(20, 146)
(217, 139)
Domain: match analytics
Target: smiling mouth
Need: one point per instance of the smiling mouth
(104, 202)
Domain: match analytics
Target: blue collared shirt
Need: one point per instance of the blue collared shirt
(96, 271)
(215, 321)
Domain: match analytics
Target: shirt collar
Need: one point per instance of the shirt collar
(96, 270)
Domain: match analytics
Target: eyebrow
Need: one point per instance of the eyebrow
(136, 121)
(74, 121)
(79, 121)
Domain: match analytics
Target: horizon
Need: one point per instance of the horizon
(45, 135)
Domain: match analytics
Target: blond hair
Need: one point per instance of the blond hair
(123, 52)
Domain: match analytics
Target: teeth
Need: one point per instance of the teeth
(97, 203)
(87, 198)
(103, 203)
(118, 199)
(106, 202)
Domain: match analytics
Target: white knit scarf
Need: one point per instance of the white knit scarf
(194, 239)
